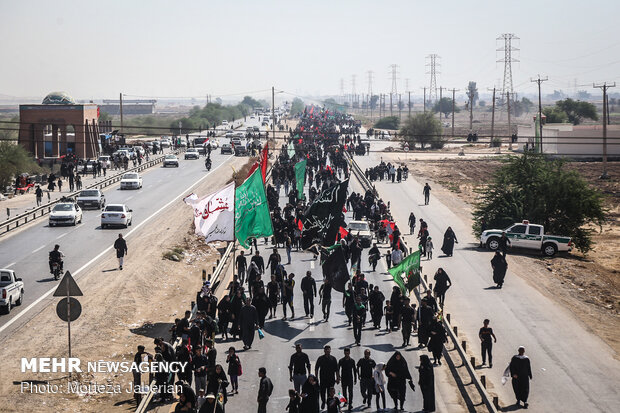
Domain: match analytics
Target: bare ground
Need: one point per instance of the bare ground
(120, 310)
(588, 285)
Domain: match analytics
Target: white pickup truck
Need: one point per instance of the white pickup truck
(526, 235)
(11, 290)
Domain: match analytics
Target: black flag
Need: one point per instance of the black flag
(335, 268)
(324, 217)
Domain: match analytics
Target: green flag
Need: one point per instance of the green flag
(291, 150)
(411, 267)
(252, 219)
(300, 178)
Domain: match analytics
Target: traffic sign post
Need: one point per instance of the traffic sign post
(69, 308)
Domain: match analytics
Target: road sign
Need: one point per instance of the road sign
(406, 148)
(74, 307)
(68, 287)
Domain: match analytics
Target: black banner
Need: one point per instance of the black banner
(324, 217)
(335, 268)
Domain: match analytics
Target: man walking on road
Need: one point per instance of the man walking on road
(521, 373)
(121, 250)
(242, 265)
(299, 367)
(365, 367)
(39, 194)
(485, 335)
(407, 319)
(325, 298)
(265, 388)
(260, 263)
(348, 375)
(427, 193)
(326, 369)
(308, 288)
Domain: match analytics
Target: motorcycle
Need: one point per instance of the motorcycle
(56, 270)
(208, 164)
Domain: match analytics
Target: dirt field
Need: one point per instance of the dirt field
(588, 285)
(121, 310)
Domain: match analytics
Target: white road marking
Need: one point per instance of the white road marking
(61, 235)
(10, 265)
(38, 249)
(128, 198)
(312, 264)
(50, 291)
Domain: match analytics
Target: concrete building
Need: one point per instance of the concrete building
(574, 141)
(59, 126)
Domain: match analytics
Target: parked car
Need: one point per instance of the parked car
(131, 180)
(65, 213)
(91, 198)
(85, 167)
(192, 153)
(526, 235)
(171, 160)
(226, 148)
(11, 290)
(116, 215)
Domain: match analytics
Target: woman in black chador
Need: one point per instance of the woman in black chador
(449, 238)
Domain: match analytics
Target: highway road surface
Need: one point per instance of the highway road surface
(573, 370)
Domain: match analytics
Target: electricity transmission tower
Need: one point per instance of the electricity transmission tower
(342, 90)
(433, 70)
(370, 74)
(394, 73)
(352, 89)
(507, 48)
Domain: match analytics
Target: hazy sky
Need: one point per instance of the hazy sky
(95, 49)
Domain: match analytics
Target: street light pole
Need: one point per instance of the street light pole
(604, 87)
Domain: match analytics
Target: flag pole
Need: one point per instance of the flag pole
(234, 247)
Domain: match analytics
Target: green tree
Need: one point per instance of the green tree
(373, 101)
(577, 110)
(543, 192)
(331, 105)
(250, 102)
(583, 95)
(9, 131)
(554, 115)
(444, 105)
(389, 122)
(423, 128)
(472, 90)
(104, 116)
(14, 160)
(297, 106)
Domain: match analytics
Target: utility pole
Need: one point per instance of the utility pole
(390, 104)
(121, 111)
(492, 118)
(604, 88)
(273, 114)
(409, 103)
(453, 103)
(539, 81)
(509, 124)
(399, 106)
(471, 94)
(424, 98)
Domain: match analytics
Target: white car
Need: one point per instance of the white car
(171, 160)
(164, 143)
(116, 215)
(105, 160)
(131, 180)
(361, 229)
(224, 122)
(192, 153)
(65, 213)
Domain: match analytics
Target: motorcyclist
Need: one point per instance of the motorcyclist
(56, 256)
(208, 163)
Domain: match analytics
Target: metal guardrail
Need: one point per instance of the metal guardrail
(217, 282)
(38, 212)
(452, 331)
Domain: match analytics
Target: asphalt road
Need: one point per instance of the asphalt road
(573, 370)
(273, 352)
(26, 251)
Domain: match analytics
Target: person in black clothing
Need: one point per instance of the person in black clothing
(504, 243)
(273, 293)
(187, 397)
(121, 250)
(234, 368)
(137, 376)
(333, 402)
(265, 388)
(430, 300)
(224, 313)
(427, 383)
(217, 382)
(442, 283)
(326, 368)
(183, 355)
(260, 263)
(375, 300)
(308, 288)
(500, 266)
(288, 286)
(200, 364)
(396, 299)
(242, 266)
(273, 261)
(298, 367)
(183, 328)
(521, 373)
(294, 401)
(425, 318)
(427, 193)
(55, 256)
(348, 302)
(373, 256)
(359, 315)
(485, 335)
(365, 367)
(348, 376)
(407, 314)
(262, 304)
(449, 238)
(437, 338)
(398, 373)
(423, 238)
(310, 396)
(325, 298)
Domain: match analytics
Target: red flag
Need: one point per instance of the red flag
(344, 209)
(263, 161)
(300, 225)
(252, 169)
(343, 232)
